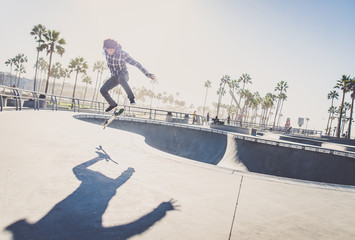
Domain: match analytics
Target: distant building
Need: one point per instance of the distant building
(7, 79)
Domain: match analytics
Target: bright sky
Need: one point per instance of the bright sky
(307, 43)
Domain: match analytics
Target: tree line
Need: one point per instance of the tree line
(347, 85)
(247, 106)
(50, 42)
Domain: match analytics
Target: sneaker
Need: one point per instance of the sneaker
(111, 107)
(132, 101)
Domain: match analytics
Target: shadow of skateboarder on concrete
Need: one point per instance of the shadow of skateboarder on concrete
(79, 216)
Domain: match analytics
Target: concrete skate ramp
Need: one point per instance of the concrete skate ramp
(193, 144)
(240, 153)
(293, 163)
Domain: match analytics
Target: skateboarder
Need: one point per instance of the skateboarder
(116, 60)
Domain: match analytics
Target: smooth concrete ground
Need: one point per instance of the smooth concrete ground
(62, 178)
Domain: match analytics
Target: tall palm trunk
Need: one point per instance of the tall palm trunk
(76, 79)
(40, 82)
(268, 117)
(97, 92)
(261, 116)
(17, 82)
(343, 125)
(265, 116)
(331, 123)
(35, 81)
(340, 114)
(61, 91)
(12, 77)
(219, 103)
(351, 114)
(328, 128)
(278, 121)
(204, 105)
(53, 85)
(240, 97)
(255, 115)
(49, 71)
(97, 79)
(277, 109)
(86, 88)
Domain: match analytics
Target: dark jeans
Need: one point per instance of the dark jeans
(113, 82)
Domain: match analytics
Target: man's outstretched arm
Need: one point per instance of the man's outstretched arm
(142, 224)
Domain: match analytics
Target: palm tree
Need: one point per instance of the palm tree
(56, 73)
(207, 85)
(37, 32)
(10, 62)
(119, 92)
(87, 80)
(264, 107)
(64, 73)
(247, 95)
(79, 65)
(256, 101)
(153, 82)
(233, 85)
(43, 67)
(164, 98)
(20, 69)
(176, 101)
(159, 98)
(245, 79)
(343, 85)
(104, 67)
(283, 98)
(140, 93)
(332, 95)
(332, 111)
(267, 105)
(53, 44)
(347, 106)
(99, 66)
(282, 87)
(221, 91)
(150, 94)
(352, 89)
(170, 99)
(19, 60)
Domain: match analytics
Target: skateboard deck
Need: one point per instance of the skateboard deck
(115, 113)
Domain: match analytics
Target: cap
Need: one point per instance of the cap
(110, 43)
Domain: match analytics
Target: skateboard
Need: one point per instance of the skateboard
(115, 113)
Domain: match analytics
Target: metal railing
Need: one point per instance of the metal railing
(18, 99)
(12, 98)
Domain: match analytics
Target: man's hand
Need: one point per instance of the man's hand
(170, 205)
(152, 76)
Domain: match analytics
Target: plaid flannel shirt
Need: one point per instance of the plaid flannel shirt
(117, 63)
